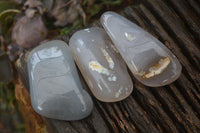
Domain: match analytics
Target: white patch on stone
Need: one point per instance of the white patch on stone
(100, 87)
(129, 37)
(80, 42)
(118, 93)
(39, 108)
(140, 73)
(112, 78)
(157, 68)
(88, 30)
(126, 90)
(96, 66)
(78, 49)
(164, 80)
(108, 58)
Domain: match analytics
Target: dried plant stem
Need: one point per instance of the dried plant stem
(8, 11)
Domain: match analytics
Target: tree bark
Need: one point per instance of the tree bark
(172, 108)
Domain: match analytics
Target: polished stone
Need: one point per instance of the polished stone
(151, 62)
(101, 65)
(55, 88)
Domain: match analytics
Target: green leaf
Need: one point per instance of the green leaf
(115, 2)
(95, 9)
(6, 4)
(66, 30)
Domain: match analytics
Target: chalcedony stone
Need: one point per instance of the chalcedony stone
(150, 61)
(101, 65)
(55, 88)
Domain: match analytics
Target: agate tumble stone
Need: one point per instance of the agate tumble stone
(55, 88)
(152, 63)
(101, 65)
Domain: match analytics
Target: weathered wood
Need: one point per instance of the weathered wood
(172, 108)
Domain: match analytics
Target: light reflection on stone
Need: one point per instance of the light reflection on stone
(100, 64)
(141, 51)
(55, 88)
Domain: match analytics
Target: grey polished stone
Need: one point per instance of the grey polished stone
(101, 65)
(152, 63)
(55, 88)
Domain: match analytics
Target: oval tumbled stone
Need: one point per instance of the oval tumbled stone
(152, 63)
(100, 64)
(55, 88)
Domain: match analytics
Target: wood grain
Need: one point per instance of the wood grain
(173, 108)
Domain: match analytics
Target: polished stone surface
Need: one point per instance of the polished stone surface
(101, 65)
(55, 88)
(152, 63)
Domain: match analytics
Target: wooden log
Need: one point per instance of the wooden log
(173, 108)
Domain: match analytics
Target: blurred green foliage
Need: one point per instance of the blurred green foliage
(7, 97)
(99, 5)
(8, 9)
(91, 11)
(66, 30)
(10, 118)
